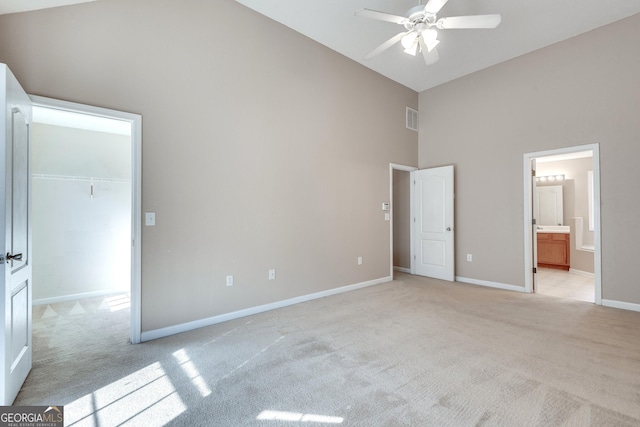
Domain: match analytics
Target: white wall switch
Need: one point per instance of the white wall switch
(387, 217)
(469, 257)
(385, 206)
(229, 280)
(150, 218)
(359, 260)
(272, 274)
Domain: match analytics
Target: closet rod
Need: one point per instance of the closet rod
(77, 178)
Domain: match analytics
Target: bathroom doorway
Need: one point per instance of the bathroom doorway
(563, 250)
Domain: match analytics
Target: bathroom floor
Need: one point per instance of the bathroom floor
(565, 284)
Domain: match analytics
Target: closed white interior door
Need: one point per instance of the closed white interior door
(434, 223)
(15, 232)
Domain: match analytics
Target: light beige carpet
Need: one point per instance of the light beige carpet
(412, 352)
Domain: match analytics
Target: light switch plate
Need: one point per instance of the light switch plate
(150, 218)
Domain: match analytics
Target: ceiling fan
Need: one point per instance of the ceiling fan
(421, 26)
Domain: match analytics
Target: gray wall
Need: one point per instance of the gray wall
(581, 91)
(261, 148)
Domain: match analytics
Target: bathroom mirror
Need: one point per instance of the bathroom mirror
(549, 206)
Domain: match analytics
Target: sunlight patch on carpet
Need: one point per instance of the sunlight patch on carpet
(191, 372)
(119, 302)
(147, 394)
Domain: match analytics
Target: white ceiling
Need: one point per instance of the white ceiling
(526, 26)
(13, 6)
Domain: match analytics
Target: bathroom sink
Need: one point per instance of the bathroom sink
(553, 229)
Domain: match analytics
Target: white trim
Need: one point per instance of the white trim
(136, 194)
(409, 169)
(486, 283)
(185, 327)
(402, 269)
(528, 229)
(581, 273)
(73, 297)
(621, 304)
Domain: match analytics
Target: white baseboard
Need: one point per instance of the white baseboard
(490, 284)
(184, 327)
(402, 269)
(621, 304)
(581, 273)
(71, 297)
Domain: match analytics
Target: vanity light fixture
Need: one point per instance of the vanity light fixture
(550, 178)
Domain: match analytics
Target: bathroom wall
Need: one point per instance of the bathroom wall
(81, 244)
(575, 204)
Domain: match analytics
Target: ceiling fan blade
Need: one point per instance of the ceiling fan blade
(434, 6)
(386, 45)
(381, 16)
(430, 56)
(475, 21)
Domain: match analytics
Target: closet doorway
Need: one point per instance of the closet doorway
(86, 204)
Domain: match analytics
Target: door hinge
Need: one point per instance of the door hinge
(535, 270)
(533, 221)
(533, 172)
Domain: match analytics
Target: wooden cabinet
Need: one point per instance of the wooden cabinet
(553, 250)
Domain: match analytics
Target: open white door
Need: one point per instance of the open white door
(433, 222)
(15, 233)
(534, 223)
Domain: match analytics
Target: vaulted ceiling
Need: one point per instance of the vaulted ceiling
(526, 26)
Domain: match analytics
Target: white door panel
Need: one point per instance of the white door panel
(15, 233)
(534, 224)
(434, 216)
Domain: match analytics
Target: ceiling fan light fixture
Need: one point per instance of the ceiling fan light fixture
(413, 50)
(409, 40)
(430, 36)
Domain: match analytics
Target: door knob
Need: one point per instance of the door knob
(448, 228)
(16, 257)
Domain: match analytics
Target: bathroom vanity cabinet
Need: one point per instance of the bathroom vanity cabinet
(553, 250)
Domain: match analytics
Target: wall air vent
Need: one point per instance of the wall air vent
(412, 119)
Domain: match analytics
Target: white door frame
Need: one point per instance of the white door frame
(136, 192)
(392, 167)
(528, 219)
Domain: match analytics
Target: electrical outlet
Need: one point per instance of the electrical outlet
(229, 280)
(359, 260)
(469, 257)
(272, 274)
